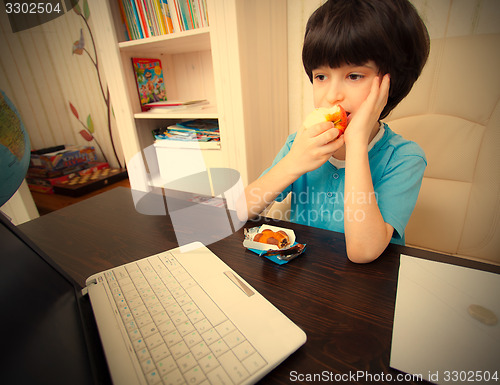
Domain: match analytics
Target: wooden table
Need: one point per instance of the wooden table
(345, 309)
(47, 203)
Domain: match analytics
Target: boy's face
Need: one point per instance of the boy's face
(348, 85)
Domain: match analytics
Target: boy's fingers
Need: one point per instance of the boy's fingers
(328, 136)
(384, 87)
(319, 129)
(335, 144)
(379, 93)
(386, 80)
(382, 90)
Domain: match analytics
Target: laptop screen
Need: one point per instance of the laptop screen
(41, 318)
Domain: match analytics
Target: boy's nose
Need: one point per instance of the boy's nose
(335, 94)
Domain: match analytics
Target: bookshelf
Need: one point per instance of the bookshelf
(238, 63)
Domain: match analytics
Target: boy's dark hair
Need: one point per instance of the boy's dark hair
(389, 32)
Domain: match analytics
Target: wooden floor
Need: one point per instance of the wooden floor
(47, 203)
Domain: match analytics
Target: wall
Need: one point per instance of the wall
(40, 74)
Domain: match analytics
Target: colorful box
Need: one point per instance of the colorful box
(46, 185)
(67, 157)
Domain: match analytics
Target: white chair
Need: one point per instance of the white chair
(453, 112)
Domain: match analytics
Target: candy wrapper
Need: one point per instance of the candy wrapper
(273, 252)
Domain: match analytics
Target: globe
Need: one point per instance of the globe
(14, 149)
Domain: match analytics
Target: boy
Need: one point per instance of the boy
(364, 55)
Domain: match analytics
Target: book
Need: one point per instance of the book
(175, 15)
(167, 16)
(147, 18)
(150, 82)
(175, 105)
(191, 131)
(135, 20)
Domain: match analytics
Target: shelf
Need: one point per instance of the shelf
(246, 41)
(209, 112)
(173, 43)
(194, 145)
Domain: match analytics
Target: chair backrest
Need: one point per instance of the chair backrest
(453, 112)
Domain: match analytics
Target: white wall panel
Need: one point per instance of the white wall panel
(40, 74)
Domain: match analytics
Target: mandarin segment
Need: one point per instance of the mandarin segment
(279, 238)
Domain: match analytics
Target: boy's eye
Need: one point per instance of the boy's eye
(319, 77)
(355, 76)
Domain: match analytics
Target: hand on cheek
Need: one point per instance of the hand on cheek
(362, 123)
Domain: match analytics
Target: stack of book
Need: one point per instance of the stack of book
(201, 130)
(146, 18)
(166, 106)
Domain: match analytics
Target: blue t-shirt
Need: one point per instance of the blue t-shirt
(397, 168)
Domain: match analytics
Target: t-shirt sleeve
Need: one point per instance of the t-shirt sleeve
(281, 154)
(398, 190)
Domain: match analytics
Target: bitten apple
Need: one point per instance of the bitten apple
(335, 114)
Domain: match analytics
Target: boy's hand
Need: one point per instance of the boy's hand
(364, 120)
(313, 146)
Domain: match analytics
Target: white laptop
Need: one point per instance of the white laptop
(206, 324)
(446, 323)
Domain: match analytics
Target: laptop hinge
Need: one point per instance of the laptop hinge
(85, 290)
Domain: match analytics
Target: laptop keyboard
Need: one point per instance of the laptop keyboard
(180, 336)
